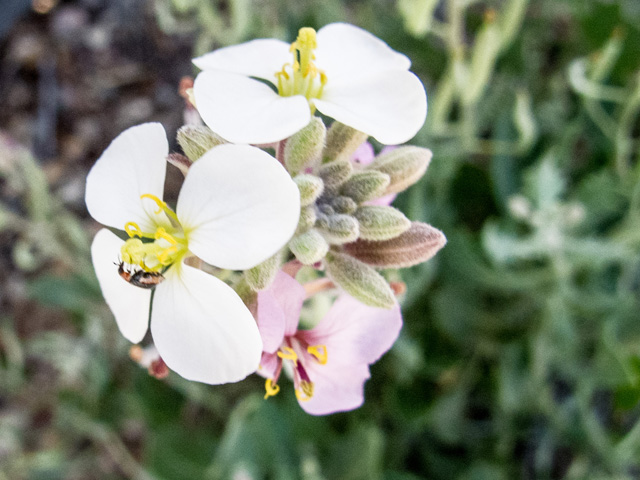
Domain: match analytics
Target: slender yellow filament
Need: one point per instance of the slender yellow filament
(271, 389)
(319, 352)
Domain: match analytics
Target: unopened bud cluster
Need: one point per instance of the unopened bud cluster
(344, 227)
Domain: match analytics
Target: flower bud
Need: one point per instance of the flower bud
(342, 204)
(309, 247)
(404, 165)
(196, 140)
(416, 245)
(366, 185)
(342, 142)
(359, 280)
(335, 173)
(304, 148)
(261, 276)
(380, 222)
(339, 228)
(307, 218)
(310, 187)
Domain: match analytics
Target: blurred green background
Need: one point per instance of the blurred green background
(520, 355)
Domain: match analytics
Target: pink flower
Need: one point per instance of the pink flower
(329, 363)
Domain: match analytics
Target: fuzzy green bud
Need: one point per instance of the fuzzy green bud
(309, 247)
(359, 280)
(339, 228)
(196, 140)
(416, 245)
(378, 222)
(261, 276)
(366, 185)
(310, 187)
(342, 204)
(335, 173)
(404, 165)
(342, 142)
(307, 218)
(304, 149)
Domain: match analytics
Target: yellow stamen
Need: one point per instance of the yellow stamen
(319, 352)
(287, 353)
(162, 233)
(305, 44)
(305, 392)
(164, 255)
(271, 389)
(162, 206)
(132, 229)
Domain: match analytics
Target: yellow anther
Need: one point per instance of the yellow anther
(287, 353)
(319, 352)
(162, 233)
(271, 389)
(161, 205)
(132, 229)
(164, 255)
(305, 392)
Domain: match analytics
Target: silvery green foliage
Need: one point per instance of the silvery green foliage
(338, 225)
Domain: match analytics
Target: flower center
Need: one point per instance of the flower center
(168, 244)
(303, 384)
(302, 77)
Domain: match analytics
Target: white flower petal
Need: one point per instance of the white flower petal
(244, 110)
(260, 58)
(345, 50)
(129, 304)
(390, 106)
(134, 164)
(238, 206)
(202, 329)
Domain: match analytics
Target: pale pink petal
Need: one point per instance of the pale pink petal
(355, 333)
(345, 50)
(271, 321)
(238, 206)
(260, 58)
(337, 388)
(389, 106)
(134, 164)
(364, 154)
(202, 329)
(268, 365)
(129, 304)
(244, 110)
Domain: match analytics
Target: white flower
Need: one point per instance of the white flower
(237, 207)
(343, 71)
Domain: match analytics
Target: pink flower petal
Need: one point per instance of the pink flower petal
(336, 388)
(355, 333)
(268, 365)
(364, 154)
(286, 295)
